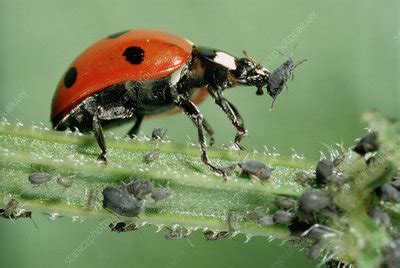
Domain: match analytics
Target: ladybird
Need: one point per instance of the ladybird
(138, 73)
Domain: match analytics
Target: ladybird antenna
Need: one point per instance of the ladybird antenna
(246, 55)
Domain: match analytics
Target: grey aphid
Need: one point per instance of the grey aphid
(278, 78)
(158, 133)
(64, 181)
(92, 198)
(160, 193)
(367, 144)
(121, 202)
(313, 201)
(174, 234)
(284, 217)
(380, 217)
(255, 168)
(315, 251)
(232, 222)
(211, 236)
(120, 227)
(285, 202)
(152, 155)
(253, 215)
(323, 171)
(38, 178)
(388, 193)
(266, 220)
(139, 188)
(303, 177)
(10, 210)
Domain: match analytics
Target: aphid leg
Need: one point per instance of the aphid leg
(136, 127)
(298, 63)
(233, 114)
(209, 131)
(194, 114)
(98, 134)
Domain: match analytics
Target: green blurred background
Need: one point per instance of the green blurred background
(353, 49)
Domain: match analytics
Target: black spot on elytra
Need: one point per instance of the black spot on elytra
(134, 55)
(70, 77)
(115, 35)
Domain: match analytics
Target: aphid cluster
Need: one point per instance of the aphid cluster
(128, 200)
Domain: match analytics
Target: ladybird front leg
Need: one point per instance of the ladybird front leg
(136, 127)
(98, 134)
(232, 113)
(191, 110)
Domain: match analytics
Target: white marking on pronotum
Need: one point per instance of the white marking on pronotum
(225, 60)
(176, 76)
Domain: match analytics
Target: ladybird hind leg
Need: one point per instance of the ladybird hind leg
(99, 135)
(136, 127)
(195, 115)
(209, 131)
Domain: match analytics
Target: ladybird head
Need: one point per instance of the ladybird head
(250, 72)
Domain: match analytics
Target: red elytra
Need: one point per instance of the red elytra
(102, 65)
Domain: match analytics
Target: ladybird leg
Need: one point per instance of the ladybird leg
(98, 134)
(136, 127)
(195, 115)
(209, 131)
(233, 114)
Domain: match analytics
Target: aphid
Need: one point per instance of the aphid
(303, 177)
(388, 193)
(299, 227)
(64, 181)
(255, 168)
(211, 236)
(380, 217)
(92, 198)
(160, 193)
(285, 203)
(315, 251)
(232, 220)
(323, 171)
(121, 202)
(392, 256)
(313, 201)
(367, 144)
(142, 72)
(37, 178)
(284, 217)
(175, 234)
(266, 220)
(120, 227)
(278, 78)
(152, 155)
(10, 210)
(253, 215)
(158, 133)
(139, 188)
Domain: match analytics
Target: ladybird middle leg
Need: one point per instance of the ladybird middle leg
(233, 114)
(136, 127)
(195, 115)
